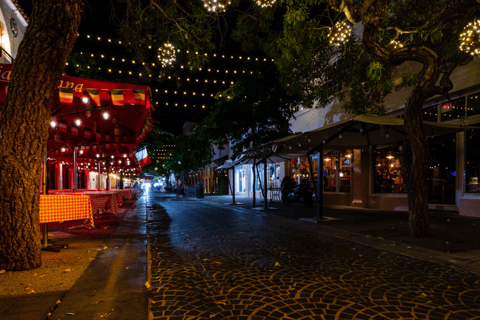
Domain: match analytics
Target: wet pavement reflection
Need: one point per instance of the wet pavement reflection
(211, 261)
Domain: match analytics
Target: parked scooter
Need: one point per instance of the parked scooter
(291, 192)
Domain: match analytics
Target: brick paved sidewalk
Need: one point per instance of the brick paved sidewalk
(454, 240)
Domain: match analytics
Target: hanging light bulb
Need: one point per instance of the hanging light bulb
(470, 38)
(265, 3)
(216, 6)
(63, 149)
(166, 54)
(105, 114)
(339, 33)
(78, 122)
(53, 123)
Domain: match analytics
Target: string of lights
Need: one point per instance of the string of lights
(213, 55)
(470, 38)
(339, 33)
(115, 59)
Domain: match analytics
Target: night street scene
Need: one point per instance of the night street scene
(240, 159)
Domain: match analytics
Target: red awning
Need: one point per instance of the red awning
(128, 106)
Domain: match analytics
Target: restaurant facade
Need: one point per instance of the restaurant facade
(371, 176)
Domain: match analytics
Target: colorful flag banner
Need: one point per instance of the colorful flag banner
(107, 146)
(66, 95)
(138, 96)
(107, 136)
(74, 130)
(87, 133)
(94, 147)
(143, 158)
(98, 135)
(62, 125)
(117, 139)
(117, 97)
(95, 95)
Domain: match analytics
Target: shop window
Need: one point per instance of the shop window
(431, 113)
(388, 173)
(452, 109)
(473, 162)
(473, 104)
(271, 175)
(337, 170)
(258, 177)
(441, 173)
(240, 178)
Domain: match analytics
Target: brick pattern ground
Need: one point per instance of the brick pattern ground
(219, 262)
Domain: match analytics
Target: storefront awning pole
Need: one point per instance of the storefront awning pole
(320, 184)
(98, 177)
(254, 182)
(74, 169)
(312, 178)
(107, 183)
(233, 184)
(265, 184)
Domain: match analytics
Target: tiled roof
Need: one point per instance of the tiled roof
(21, 10)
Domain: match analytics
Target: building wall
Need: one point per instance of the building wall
(9, 11)
(466, 81)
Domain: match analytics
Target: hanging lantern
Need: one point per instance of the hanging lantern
(265, 3)
(339, 33)
(470, 38)
(216, 6)
(166, 54)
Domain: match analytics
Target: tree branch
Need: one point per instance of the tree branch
(175, 22)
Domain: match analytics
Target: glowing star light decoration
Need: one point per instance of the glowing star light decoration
(339, 33)
(470, 38)
(265, 3)
(166, 54)
(396, 44)
(216, 6)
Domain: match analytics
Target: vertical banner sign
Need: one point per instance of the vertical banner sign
(87, 133)
(62, 125)
(74, 130)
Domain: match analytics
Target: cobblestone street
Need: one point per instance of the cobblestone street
(212, 261)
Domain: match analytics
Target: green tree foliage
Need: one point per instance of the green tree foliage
(156, 140)
(255, 110)
(395, 43)
(84, 66)
(191, 152)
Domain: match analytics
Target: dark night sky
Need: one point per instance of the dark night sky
(97, 22)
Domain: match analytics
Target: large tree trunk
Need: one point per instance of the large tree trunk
(415, 156)
(40, 63)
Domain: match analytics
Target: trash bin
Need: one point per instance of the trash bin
(199, 190)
